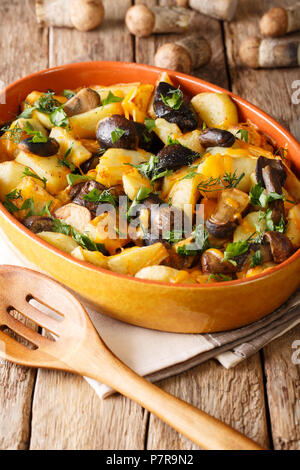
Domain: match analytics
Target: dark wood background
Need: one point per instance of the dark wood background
(261, 397)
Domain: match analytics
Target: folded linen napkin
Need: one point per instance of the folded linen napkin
(157, 355)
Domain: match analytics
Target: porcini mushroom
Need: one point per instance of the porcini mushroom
(190, 53)
(270, 53)
(281, 246)
(78, 194)
(212, 137)
(84, 15)
(37, 223)
(142, 21)
(232, 204)
(173, 157)
(219, 9)
(173, 106)
(280, 21)
(42, 149)
(85, 100)
(117, 132)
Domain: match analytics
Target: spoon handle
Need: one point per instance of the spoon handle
(207, 432)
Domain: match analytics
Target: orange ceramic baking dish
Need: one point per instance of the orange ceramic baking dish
(164, 306)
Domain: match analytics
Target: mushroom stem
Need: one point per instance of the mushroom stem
(142, 21)
(270, 53)
(219, 9)
(279, 21)
(184, 55)
(83, 15)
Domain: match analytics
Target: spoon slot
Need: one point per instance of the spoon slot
(18, 338)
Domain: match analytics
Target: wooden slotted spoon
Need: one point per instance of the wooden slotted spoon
(79, 349)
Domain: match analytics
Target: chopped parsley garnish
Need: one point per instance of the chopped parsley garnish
(200, 244)
(68, 94)
(150, 124)
(173, 99)
(14, 134)
(37, 136)
(8, 204)
(73, 179)
(173, 236)
(235, 249)
(172, 141)
(27, 113)
(28, 204)
(142, 194)
(28, 172)
(282, 152)
(259, 197)
(82, 239)
(59, 118)
(65, 162)
(267, 216)
(191, 174)
(46, 209)
(244, 135)
(149, 169)
(111, 98)
(256, 259)
(97, 196)
(47, 103)
(117, 134)
(219, 277)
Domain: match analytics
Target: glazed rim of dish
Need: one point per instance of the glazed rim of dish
(187, 78)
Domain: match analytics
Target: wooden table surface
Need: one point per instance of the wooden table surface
(261, 397)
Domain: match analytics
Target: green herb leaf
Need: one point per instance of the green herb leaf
(97, 196)
(219, 277)
(173, 236)
(8, 204)
(46, 210)
(47, 103)
(61, 227)
(162, 174)
(68, 94)
(235, 249)
(191, 174)
(28, 204)
(150, 124)
(73, 179)
(117, 134)
(173, 99)
(256, 259)
(171, 141)
(37, 136)
(27, 113)
(244, 135)
(84, 241)
(14, 134)
(65, 162)
(59, 118)
(28, 172)
(142, 194)
(111, 98)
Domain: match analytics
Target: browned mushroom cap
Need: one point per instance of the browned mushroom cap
(231, 204)
(42, 149)
(117, 132)
(212, 137)
(276, 166)
(281, 246)
(85, 100)
(212, 262)
(83, 190)
(37, 223)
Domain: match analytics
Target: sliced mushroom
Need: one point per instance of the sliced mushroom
(272, 184)
(212, 137)
(212, 261)
(89, 164)
(148, 141)
(163, 218)
(117, 132)
(276, 166)
(85, 100)
(232, 204)
(38, 223)
(84, 190)
(173, 157)
(281, 246)
(74, 215)
(185, 116)
(178, 262)
(42, 149)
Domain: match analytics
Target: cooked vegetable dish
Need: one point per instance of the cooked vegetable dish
(146, 181)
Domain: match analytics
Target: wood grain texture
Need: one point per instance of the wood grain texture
(17, 59)
(283, 389)
(235, 396)
(66, 413)
(269, 89)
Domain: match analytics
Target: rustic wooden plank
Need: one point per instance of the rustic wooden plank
(283, 388)
(67, 414)
(272, 91)
(214, 72)
(17, 59)
(236, 396)
(111, 41)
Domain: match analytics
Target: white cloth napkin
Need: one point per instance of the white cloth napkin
(157, 355)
